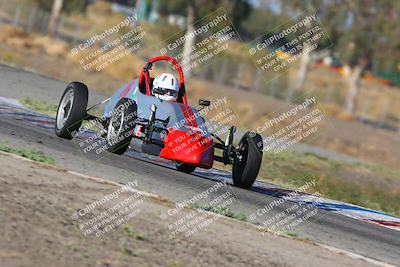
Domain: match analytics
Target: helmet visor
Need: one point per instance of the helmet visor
(166, 91)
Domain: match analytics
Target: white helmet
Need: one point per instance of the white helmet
(167, 86)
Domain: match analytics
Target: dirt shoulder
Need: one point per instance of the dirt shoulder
(37, 202)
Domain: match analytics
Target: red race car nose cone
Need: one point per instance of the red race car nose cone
(189, 148)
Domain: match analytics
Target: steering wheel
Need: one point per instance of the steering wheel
(144, 74)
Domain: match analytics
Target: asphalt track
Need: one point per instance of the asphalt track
(324, 227)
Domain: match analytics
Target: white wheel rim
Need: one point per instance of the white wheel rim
(113, 132)
(64, 110)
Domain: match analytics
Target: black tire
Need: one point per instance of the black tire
(69, 116)
(186, 168)
(118, 141)
(245, 171)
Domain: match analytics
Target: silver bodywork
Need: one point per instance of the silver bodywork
(172, 111)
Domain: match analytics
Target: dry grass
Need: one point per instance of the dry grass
(374, 99)
(351, 183)
(52, 58)
(19, 39)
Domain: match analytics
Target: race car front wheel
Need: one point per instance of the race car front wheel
(71, 110)
(121, 126)
(247, 165)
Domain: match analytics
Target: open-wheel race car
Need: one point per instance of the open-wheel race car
(134, 116)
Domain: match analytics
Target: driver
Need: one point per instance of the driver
(167, 86)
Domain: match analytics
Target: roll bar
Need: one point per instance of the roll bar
(144, 74)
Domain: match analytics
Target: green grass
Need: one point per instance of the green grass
(290, 234)
(367, 185)
(71, 247)
(130, 252)
(131, 233)
(39, 106)
(222, 211)
(30, 153)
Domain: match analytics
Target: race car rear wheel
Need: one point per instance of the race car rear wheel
(247, 165)
(121, 126)
(71, 110)
(186, 168)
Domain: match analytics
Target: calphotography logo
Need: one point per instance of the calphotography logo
(208, 205)
(110, 46)
(104, 215)
(275, 51)
(209, 39)
(295, 209)
(284, 130)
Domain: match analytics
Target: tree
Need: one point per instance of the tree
(54, 17)
(363, 41)
(239, 11)
(364, 34)
(189, 41)
(56, 6)
(69, 6)
(194, 10)
(291, 8)
(75, 6)
(255, 24)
